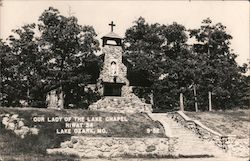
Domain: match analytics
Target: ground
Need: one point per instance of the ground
(58, 158)
(163, 159)
(33, 147)
(231, 122)
(12, 148)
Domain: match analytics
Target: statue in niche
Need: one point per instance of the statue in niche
(54, 99)
(113, 68)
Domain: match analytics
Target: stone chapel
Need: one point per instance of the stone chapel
(113, 85)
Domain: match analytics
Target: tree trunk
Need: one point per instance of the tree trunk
(60, 102)
(209, 101)
(195, 99)
(181, 102)
(28, 93)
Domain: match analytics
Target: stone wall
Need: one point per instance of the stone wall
(228, 143)
(121, 105)
(128, 102)
(114, 53)
(16, 124)
(240, 148)
(93, 147)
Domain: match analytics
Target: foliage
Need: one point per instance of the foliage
(219, 72)
(57, 52)
(69, 49)
(144, 93)
(9, 77)
(161, 52)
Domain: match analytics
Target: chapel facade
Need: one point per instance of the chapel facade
(113, 85)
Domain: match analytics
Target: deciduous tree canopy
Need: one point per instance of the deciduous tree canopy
(59, 52)
(173, 66)
(56, 52)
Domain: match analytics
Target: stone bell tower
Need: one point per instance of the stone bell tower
(113, 75)
(113, 85)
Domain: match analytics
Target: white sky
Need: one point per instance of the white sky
(233, 14)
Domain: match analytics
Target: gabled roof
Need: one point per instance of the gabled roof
(112, 35)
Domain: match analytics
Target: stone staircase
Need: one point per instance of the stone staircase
(189, 143)
(121, 105)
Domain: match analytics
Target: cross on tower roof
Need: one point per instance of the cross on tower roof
(112, 25)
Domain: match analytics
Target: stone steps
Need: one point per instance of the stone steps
(189, 143)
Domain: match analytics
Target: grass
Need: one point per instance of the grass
(35, 157)
(230, 122)
(33, 147)
(135, 127)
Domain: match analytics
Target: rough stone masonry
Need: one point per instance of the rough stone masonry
(113, 85)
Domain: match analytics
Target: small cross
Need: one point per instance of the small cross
(112, 26)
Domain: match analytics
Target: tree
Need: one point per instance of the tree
(68, 49)
(219, 72)
(143, 46)
(160, 52)
(9, 80)
(24, 47)
(57, 52)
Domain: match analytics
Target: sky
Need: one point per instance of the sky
(233, 14)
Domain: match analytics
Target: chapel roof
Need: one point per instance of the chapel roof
(112, 35)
